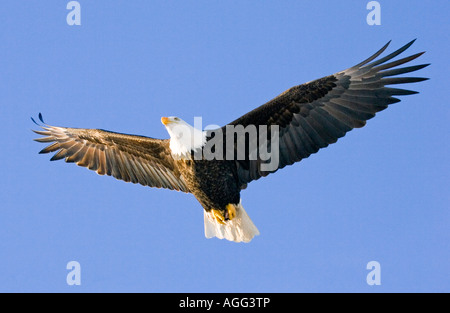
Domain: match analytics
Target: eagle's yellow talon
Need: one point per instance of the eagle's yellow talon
(228, 214)
(231, 211)
(218, 216)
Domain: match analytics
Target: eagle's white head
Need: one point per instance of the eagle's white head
(183, 137)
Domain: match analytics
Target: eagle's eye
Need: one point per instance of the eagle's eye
(177, 119)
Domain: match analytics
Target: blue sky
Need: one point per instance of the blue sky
(379, 194)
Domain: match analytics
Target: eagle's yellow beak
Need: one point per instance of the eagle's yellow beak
(165, 120)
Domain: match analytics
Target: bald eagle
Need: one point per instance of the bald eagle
(303, 119)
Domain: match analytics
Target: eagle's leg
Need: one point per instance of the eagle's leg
(222, 216)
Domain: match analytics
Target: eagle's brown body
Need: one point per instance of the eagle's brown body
(214, 183)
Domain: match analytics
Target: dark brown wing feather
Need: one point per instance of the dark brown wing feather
(313, 115)
(131, 158)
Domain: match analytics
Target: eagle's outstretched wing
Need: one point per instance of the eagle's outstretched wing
(131, 158)
(313, 115)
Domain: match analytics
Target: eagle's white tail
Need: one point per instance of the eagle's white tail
(240, 228)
